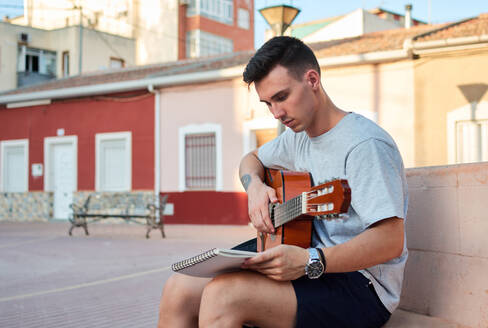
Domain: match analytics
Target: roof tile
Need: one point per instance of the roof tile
(474, 26)
(371, 42)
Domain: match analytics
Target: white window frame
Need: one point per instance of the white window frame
(464, 113)
(45, 58)
(117, 61)
(99, 137)
(48, 142)
(194, 129)
(249, 128)
(200, 43)
(243, 18)
(219, 10)
(15, 142)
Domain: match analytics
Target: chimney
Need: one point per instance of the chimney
(408, 15)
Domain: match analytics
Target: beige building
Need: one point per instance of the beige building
(163, 30)
(31, 55)
(355, 23)
(67, 38)
(426, 85)
(148, 22)
(451, 102)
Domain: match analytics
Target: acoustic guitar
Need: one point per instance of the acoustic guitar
(298, 204)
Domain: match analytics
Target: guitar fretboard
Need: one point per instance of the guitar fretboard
(287, 211)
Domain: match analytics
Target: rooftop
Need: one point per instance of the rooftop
(367, 43)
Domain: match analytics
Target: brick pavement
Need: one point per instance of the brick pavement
(113, 278)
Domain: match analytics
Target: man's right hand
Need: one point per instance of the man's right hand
(259, 196)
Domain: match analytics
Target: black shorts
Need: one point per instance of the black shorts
(335, 300)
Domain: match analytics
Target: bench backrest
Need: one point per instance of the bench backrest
(447, 237)
(115, 202)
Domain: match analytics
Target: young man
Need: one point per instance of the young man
(352, 276)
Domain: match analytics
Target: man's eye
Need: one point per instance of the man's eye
(282, 98)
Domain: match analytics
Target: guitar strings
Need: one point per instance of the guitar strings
(287, 211)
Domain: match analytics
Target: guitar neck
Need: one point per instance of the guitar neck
(286, 212)
(326, 200)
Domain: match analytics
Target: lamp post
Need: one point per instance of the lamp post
(279, 18)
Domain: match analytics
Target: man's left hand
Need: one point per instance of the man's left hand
(282, 263)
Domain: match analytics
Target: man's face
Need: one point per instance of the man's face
(289, 100)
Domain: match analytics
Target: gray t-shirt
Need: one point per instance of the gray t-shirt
(360, 151)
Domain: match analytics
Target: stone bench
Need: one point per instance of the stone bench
(118, 206)
(446, 276)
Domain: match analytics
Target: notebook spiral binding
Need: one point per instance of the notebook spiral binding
(194, 260)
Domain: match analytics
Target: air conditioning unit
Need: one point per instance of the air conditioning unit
(24, 37)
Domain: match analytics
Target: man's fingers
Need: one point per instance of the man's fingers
(267, 220)
(272, 195)
(257, 222)
(264, 257)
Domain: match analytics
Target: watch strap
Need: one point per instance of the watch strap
(322, 257)
(313, 255)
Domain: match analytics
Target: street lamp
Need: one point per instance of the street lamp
(279, 18)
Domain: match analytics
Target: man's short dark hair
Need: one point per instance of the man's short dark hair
(286, 51)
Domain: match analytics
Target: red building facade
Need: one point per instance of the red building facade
(233, 21)
(85, 118)
(63, 141)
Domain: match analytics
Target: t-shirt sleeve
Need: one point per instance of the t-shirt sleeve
(279, 153)
(375, 172)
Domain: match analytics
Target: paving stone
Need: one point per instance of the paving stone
(48, 279)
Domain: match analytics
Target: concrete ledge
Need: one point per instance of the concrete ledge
(445, 275)
(405, 319)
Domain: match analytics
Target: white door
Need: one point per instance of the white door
(14, 167)
(63, 178)
(113, 171)
(113, 168)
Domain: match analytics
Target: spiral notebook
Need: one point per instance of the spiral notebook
(212, 262)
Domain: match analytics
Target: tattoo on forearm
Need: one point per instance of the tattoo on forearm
(246, 180)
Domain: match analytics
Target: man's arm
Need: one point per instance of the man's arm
(379, 243)
(251, 172)
(250, 168)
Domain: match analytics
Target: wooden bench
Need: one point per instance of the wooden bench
(82, 215)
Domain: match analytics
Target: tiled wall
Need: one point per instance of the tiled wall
(26, 206)
(447, 237)
(38, 206)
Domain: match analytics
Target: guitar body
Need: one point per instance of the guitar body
(299, 231)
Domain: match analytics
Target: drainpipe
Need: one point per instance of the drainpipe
(157, 140)
(80, 39)
(408, 15)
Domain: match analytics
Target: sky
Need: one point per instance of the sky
(440, 10)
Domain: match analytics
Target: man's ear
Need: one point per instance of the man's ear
(313, 78)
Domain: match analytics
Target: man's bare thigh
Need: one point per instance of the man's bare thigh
(253, 298)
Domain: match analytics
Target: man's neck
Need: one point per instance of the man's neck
(327, 116)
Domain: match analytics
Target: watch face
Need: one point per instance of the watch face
(315, 269)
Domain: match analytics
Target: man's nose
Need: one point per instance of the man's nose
(278, 112)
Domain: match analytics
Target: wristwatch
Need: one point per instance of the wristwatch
(315, 267)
